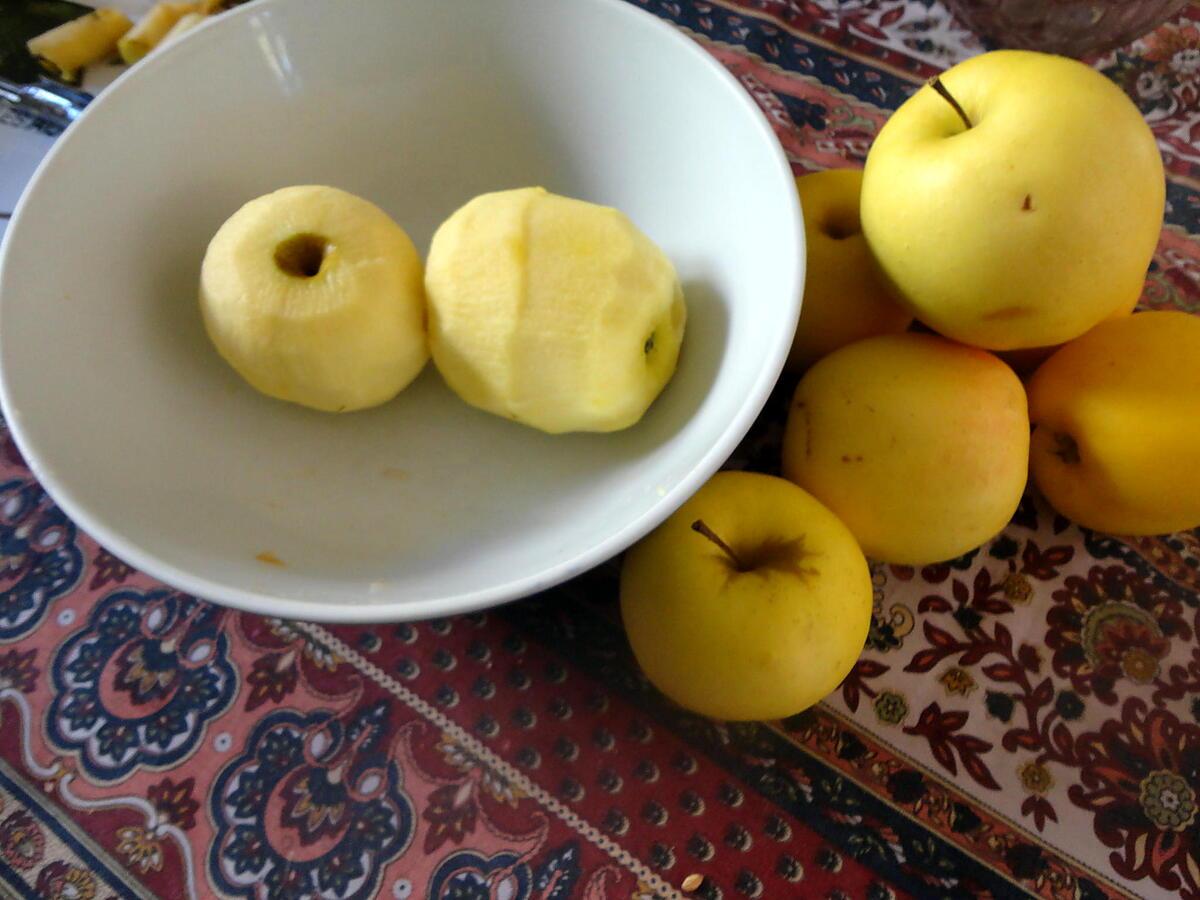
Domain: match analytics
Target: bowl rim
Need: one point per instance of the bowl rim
(261, 602)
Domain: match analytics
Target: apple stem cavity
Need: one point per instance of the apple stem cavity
(701, 528)
(1066, 448)
(936, 83)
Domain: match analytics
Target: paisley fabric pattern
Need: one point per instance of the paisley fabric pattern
(1024, 720)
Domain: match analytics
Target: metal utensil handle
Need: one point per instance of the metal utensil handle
(46, 100)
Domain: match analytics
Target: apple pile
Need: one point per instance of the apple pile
(1011, 207)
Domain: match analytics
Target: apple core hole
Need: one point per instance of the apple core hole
(301, 255)
(842, 225)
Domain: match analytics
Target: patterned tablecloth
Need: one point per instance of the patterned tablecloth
(1024, 719)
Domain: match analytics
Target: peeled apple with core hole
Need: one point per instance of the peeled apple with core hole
(315, 296)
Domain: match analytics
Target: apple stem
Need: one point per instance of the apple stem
(936, 84)
(700, 527)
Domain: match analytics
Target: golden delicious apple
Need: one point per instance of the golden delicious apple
(752, 601)
(1116, 416)
(553, 312)
(1018, 203)
(919, 444)
(844, 298)
(314, 296)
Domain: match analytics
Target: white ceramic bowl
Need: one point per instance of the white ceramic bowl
(424, 506)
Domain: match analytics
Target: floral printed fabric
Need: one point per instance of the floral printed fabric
(1024, 720)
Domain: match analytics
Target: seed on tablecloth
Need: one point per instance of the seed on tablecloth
(692, 882)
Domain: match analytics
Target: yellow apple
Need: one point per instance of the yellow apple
(553, 312)
(752, 601)
(314, 296)
(919, 444)
(1116, 416)
(844, 298)
(1026, 360)
(1018, 208)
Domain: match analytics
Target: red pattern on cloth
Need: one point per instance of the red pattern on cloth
(1024, 719)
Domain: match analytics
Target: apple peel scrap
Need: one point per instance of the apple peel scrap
(64, 52)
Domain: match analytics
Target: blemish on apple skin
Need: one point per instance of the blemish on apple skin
(848, 458)
(393, 473)
(1027, 206)
(270, 559)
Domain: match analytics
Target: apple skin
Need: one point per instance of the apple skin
(758, 644)
(1031, 226)
(1026, 360)
(1116, 416)
(919, 444)
(845, 300)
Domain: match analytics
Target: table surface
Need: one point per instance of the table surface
(1024, 720)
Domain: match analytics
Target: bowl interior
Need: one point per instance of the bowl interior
(424, 506)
